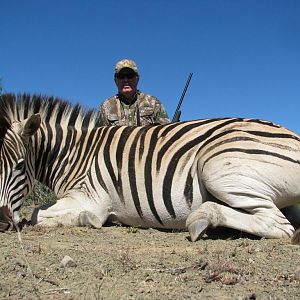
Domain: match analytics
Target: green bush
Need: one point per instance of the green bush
(40, 195)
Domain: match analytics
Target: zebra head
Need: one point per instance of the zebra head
(16, 168)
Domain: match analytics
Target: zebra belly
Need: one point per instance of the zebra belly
(158, 207)
(127, 213)
(148, 221)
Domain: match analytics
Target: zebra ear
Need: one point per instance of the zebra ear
(32, 124)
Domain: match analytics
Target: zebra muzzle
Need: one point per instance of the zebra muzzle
(6, 222)
(4, 226)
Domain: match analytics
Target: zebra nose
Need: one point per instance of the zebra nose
(5, 219)
(4, 226)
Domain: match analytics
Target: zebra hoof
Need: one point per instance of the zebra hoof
(197, 229)
(87, 218)
(296, 238)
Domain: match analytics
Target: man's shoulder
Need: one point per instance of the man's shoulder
(147, 98)
(109, 102)
(110, 99)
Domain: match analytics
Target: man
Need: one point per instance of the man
(130, 106)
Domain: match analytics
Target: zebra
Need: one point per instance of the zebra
(195, 175)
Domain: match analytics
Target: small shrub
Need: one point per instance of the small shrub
(40, 195)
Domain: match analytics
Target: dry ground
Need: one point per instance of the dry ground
(132, 263)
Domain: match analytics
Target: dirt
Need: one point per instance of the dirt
(133, 263)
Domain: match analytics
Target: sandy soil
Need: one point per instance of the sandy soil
(132, 263)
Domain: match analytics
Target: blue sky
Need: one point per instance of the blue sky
(245, 55)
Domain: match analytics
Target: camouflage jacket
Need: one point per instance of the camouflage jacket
(145, 110)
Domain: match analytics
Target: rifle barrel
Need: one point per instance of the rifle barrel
(181, 98)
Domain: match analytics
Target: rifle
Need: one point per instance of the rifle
(177, 114)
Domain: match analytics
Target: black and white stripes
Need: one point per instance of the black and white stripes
(155, 176)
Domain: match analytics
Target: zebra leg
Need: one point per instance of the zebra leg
(70, 212)
(245, 195)
(265, 222)
(292, 213)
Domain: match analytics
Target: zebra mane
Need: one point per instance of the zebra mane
(52, 110)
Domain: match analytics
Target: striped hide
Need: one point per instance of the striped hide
(231, 172)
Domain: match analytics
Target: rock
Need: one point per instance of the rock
(67, 262)
(20, 262)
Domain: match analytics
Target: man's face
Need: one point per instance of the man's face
(127, 81)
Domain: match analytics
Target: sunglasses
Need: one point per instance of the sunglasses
(126, 75)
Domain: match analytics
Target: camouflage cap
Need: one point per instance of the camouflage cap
(126, 63)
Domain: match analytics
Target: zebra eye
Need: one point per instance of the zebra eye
(19, 166)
